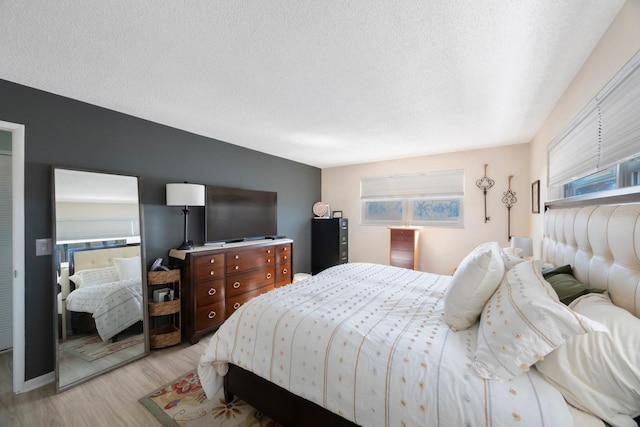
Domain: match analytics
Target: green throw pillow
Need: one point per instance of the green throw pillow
(568, 288)
(565, 269)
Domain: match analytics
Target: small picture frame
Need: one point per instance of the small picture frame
(337, 214)
(535, 197)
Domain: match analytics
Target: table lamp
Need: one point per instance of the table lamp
(522, 246)
(185, 194)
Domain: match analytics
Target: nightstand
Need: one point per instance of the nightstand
(167, 310)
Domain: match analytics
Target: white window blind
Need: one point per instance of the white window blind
(606, 132)
(450, 182)
(575, 153)
(620, 109)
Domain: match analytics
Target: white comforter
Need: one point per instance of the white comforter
(115, 306)
(369, 342)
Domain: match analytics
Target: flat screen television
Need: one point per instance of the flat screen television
(235, 214)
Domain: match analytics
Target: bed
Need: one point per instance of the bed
(373, 345)
(107, 286)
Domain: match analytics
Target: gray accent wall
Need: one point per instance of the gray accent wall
(63, 132)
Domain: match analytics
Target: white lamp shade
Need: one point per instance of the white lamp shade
(523, 246)
(184, 194)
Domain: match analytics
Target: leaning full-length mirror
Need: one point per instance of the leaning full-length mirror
(99, 275)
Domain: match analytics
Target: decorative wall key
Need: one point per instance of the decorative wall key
(485, 183)
(509, 199)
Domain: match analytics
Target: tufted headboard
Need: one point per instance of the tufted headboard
(602, 244)
(100, 257)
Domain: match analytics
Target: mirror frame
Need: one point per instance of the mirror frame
(54, 281)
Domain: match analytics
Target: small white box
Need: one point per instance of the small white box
(159, 294)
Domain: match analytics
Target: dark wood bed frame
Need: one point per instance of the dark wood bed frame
(279, 404)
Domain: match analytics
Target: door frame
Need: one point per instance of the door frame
(17, 175)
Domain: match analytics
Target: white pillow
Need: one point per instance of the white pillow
(128, 268)
(473, 283)
(511, 258)
(599, 372)
(95, 276)
(523, 322)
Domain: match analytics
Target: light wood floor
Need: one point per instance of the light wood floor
(72, 367)
(109, 400)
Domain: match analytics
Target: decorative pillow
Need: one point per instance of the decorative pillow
(473, 283)
(563, 269)
(569, 288)
(128, 268)
(510, 257)
(600, 372)
(95, 276)
(523, 322)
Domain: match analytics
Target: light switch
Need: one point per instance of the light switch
(43, 247)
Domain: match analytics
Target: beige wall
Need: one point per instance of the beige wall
(441, 249)
(620, 42)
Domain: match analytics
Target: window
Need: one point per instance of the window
(429, 199)
(623, 175)
(600, 150)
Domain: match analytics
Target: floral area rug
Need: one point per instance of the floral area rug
(182, 402)
(91, 347)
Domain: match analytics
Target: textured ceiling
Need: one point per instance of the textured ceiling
(325, 83)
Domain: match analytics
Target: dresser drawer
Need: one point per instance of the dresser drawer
(209, 292)
(344, 253)
(283, 274)
(404, 263)
(236, 302)
(209, 266)
(246, 282)
(408, 246)
(402, 235)
(209, 315)
(248, 260)
(283, 253)
(402, 255)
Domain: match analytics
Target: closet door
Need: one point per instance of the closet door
(6, 254)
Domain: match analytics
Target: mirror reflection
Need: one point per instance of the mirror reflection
(99, 274)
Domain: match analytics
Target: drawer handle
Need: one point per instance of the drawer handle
(211, 273)
(236, 306)
(284, 257)
(268, 251)
(285, 271)
(211, 261)
(237, 267)
(268, 260)
(212, 291)
(285, 249)
(236, 285)
(237, 257)
(211, 314)
(268, 275)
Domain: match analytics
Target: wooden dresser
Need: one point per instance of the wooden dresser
(404, 249)
(217, 280)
